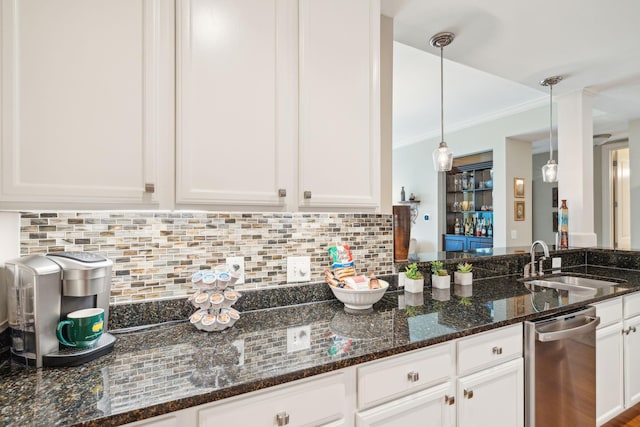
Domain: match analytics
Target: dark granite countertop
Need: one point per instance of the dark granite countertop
(172, 367)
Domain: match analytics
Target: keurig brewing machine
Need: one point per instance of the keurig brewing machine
(42, 291)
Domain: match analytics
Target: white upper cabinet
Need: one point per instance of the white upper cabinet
(235, 102)
(339, 146)
(278, 104)
(87, 103)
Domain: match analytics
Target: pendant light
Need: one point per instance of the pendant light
(442, 157)
(550, 170)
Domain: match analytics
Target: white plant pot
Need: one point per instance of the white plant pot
(462, 278)
(413, 285)
(441, 282)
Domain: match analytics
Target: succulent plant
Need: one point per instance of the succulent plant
(465, 268)
(411, 271)
(438, 269)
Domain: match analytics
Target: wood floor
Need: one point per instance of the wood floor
(630, 418)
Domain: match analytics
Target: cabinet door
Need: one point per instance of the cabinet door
(87, 102)
(609, 373)
(493, 397)
(631, 365)
(315, 402)
(235, 111)
(480, 242)
(454, 243)
(434, 405)
(339, 121)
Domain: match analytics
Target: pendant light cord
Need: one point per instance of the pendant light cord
(550, 122)
(441, 97)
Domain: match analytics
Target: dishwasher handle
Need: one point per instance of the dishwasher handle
(591, 325)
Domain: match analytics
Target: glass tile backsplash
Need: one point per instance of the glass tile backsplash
(155, 253)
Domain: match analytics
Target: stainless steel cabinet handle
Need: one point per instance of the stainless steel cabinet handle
(282, 192)
(282, 419)
(468, 394)
(413, 377)
(632, 328)
(497, 350)
(625, 331)
(307, 194)
(149, 188)
(449, 399)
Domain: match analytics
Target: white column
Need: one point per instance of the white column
(575, 165)
(634, 165)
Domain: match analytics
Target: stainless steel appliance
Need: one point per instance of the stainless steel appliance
(41, 291)
(560, 370)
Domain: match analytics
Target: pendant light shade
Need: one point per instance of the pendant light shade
(550, 170)
(442, 156)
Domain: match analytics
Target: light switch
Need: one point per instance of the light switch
(298, 269)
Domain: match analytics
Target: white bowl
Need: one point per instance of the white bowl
(360, 300)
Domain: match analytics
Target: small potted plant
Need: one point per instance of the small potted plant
(463, 276)
(414, 281)
(440, 277)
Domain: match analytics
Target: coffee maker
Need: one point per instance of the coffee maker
(42, 290)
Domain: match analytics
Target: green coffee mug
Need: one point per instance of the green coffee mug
(84, 327)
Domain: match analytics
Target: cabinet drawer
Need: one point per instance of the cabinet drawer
(314, 402)
(489, 349)
(387, 379)
(610, 312)
(631, 305)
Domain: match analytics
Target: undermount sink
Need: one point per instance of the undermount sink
(561, 286)
(585, 282)
(572, 283)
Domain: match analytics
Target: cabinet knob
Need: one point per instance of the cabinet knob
(413, 376)
(307, 194)
(449, 399)
(282, 419)
(282, 192)
(468, 394)
(497, 350)
(149, 188)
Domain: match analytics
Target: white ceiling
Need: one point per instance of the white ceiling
(502, 50)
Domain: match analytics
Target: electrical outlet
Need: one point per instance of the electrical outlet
(514, 234)
(556, 264)
(298, 338)
(298, 269)
(236, 263)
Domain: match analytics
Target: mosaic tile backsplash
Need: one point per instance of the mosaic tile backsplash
(155, 253)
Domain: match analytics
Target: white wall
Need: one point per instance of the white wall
(9, 248)
(413, 168)
(541, 201)
(634, 165)
(518, 165)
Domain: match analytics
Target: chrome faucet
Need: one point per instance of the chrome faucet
(530, 268)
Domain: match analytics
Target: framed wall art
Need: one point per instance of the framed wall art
(518, 188)
(518, 211)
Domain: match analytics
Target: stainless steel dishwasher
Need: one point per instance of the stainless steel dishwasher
(560, 370)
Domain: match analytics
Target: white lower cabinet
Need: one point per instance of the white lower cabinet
(631, 365)
(435, 404)
(489, 389)
(312, 403)
(617, 350)
(492, 397)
